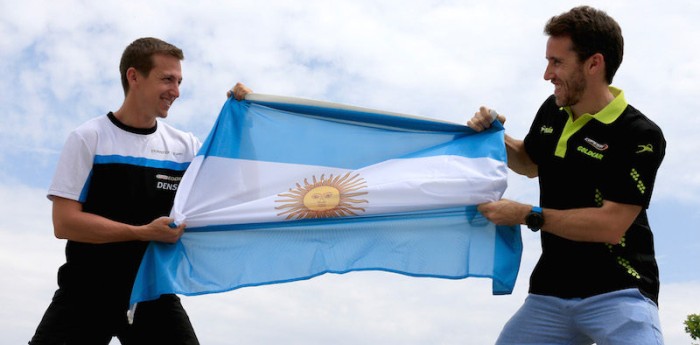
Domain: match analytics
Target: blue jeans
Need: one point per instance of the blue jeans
(615, 318)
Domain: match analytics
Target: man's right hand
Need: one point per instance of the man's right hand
(160, 230)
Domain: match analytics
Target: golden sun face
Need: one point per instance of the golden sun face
(324, 198)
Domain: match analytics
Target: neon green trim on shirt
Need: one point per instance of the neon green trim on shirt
(607, 116)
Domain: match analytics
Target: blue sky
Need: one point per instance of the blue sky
(440, 59)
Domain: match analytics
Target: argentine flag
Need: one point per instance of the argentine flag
(287, 189)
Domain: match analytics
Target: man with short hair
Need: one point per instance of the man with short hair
(596, 158)
(112, 192)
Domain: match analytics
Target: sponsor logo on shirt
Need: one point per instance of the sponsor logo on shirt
(596, 145)
(546, 130)
(590, 153)
(166, 152)
(166, 182)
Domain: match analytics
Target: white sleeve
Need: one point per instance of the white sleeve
(74, 167)
(196, 144)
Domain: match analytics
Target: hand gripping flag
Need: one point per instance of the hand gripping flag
(286, 189)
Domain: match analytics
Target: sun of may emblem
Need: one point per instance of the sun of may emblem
(324, 198)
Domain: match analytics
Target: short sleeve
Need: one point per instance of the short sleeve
(632, 178)
(535, 144)
(74, 167)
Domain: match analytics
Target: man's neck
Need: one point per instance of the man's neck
(132, 116)
(593, 101)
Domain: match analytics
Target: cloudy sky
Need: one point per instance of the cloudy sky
(441, 59)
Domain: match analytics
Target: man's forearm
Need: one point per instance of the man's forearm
(606, 224)
(518, 159)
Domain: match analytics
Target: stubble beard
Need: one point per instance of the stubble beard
(573, 90)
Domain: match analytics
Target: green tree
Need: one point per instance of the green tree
(692, 326)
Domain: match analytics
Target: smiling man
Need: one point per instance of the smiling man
(112, 191)
(596, 158)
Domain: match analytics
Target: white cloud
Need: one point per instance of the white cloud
(29, 258)
(677, 301)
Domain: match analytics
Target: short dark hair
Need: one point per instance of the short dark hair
(139, 55)
(591, 31)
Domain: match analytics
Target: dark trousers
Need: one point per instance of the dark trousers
(85, 320)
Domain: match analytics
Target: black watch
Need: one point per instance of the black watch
(535, 219)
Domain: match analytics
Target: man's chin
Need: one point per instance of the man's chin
(562, 102)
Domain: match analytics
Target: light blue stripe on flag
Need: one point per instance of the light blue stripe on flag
(343, 139)
(248, 200)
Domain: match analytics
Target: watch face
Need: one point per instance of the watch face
(534, 221)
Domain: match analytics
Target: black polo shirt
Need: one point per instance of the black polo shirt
(613, 155)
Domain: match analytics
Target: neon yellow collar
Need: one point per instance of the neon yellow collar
(611, 111)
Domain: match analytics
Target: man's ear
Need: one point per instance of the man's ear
(132, 76)
(595, 64)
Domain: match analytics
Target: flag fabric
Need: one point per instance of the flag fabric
(286, 189)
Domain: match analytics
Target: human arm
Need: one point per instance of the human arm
(239, 91)
(72, 223)
(606, 224)
(518, 159)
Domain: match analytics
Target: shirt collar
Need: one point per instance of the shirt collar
(611, 111)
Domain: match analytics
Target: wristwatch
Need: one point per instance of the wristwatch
(535, 219)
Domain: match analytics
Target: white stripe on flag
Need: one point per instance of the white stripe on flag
(233, 191)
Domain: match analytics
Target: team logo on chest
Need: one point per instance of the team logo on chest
(645, 148)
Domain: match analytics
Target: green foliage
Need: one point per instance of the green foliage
(692, 326)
